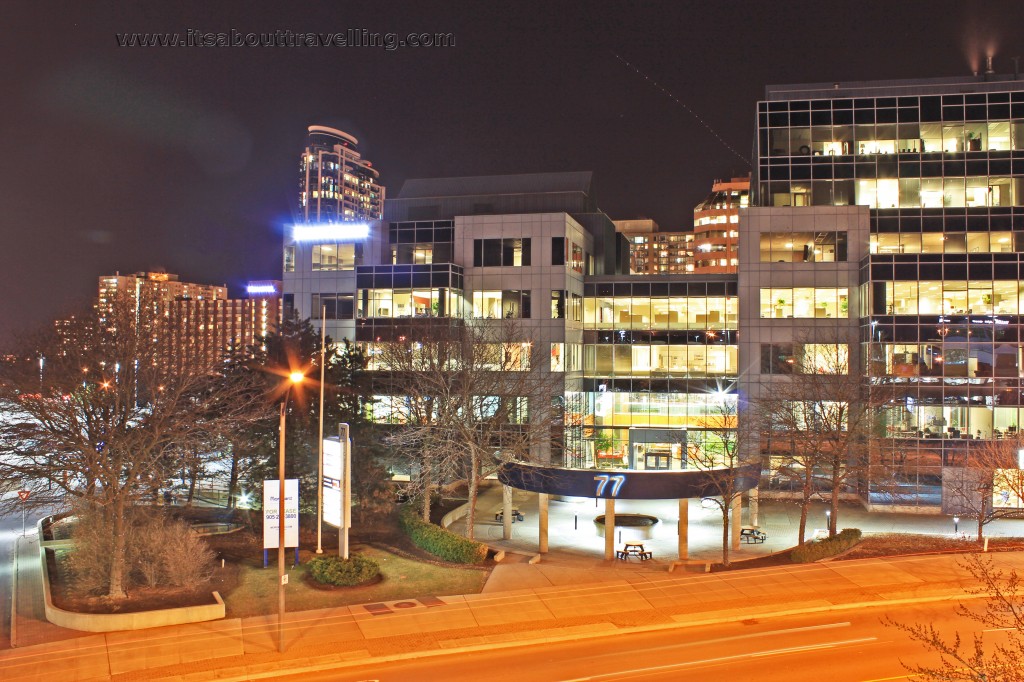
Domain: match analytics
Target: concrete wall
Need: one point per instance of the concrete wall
(112, 622)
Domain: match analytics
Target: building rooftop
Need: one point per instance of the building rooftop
(992, 82)
(527, 183)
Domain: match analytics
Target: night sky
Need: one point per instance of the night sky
(185, 158)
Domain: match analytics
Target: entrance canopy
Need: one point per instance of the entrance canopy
(625, 484)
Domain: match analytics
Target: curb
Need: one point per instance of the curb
(273, 670)
(14, 593)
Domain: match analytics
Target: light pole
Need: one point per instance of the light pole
(294, 379)
(828, 520)
(320, 440)
(956, 524)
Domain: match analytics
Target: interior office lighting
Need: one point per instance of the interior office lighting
(330, 232)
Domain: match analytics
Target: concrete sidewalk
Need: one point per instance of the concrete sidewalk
(574, 604)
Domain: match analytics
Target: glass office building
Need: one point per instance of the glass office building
(939, 166)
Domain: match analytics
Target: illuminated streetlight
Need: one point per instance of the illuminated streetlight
(956, 524)
(294, 379)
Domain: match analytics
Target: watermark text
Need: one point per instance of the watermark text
(353, 37)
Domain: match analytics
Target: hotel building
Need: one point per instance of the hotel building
(197, 324)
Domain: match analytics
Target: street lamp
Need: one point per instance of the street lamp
(956, 524)
(828, 520)
(294, 379)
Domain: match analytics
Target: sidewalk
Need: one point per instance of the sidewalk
(578, 601)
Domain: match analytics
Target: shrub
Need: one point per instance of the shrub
(186, 559)
(332, 570)
(822, 549)
(440, 542)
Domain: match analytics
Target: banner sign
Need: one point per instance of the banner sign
(271, 507)
(334, 475)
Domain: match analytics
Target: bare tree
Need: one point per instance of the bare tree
(107, 421)
(466, 396)
(818, 421)
(990, 485)
(978, 661)
(720, 457)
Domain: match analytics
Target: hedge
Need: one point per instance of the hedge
(822, 549)
(332, 570)
(440, 542)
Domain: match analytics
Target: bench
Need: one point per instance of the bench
(516, 516)
(752, 535)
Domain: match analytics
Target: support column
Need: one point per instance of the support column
(506, 509)
(754, 507)
(609, 528)
(736, 514)
(542, 523)
(684, 529)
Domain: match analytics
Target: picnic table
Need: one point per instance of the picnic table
(636, 549)
(516, 516)
(752, 535)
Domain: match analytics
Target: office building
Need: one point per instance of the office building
(891, 222)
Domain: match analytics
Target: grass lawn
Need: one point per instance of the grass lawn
(256, 590)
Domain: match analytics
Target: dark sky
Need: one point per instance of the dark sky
(186, 158)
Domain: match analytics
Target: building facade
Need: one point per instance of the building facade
(336, 184)
(937, 165)
(196, 324)
(716, 227)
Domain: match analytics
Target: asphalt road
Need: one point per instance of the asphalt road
(851, 646)
(10, 531)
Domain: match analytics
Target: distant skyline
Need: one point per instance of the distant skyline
(186, 158)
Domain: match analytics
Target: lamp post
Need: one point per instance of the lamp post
(320, 440)
(293, 379)
(956, 524)
(828, 520)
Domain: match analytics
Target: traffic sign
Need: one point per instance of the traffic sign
(23, 494)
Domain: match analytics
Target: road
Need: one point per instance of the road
(10, 531)
(852, 646)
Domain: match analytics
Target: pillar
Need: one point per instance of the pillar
(542, 523)
(609, 528)
(684, 528)
(753, 504)
(736, 514)
(506, 508)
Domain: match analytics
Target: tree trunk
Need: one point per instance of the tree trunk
(193, 475)
(833, 519)
(233, 477)
(425, 478)
(474, 464)
(803, 522)
(726, 509)
(115, 588)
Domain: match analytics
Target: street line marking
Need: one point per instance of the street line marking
(721, 659)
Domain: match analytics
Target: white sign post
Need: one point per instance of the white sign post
(337, 490)
(333, 475)
(271, 505)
